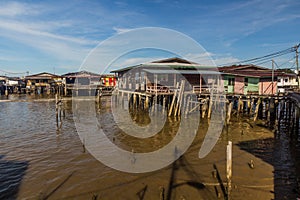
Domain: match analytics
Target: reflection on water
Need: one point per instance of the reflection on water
(37, 161)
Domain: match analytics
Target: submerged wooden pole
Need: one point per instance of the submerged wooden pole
(179, 99)
(240, 105)
(248, 105)
(164, 104)
(229, 112)
(210, 106)
(251, 106)
(187, 105)
(146, 103)
(257, 109)
(204, 107)
(173, 100)
(56, 109)
(229, 167)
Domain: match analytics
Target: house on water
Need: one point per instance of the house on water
(163, 76)
(175, 83)
(83, 83)
(287, 81)
(251, 79)
(43, 83)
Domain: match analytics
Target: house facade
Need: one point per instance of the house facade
(43, 83)
(287, 82)
(251, 79)
(83, 83)
(163, 76)
(240, 84)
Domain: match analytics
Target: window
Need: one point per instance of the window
(279, 80)
(162, 78)
(231, 81)
(143, 77)
(246, 81)
(286, 80)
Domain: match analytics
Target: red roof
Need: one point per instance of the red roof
(251, 70)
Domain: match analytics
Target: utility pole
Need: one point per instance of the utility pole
(272, 77)
(297, 64)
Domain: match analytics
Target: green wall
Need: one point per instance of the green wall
(253, 85)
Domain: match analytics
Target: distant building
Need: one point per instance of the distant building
(287, 82)
(13, 85)
(43, 83)
(252, 79)
(108, 80)
(84, 83)
(2, 84)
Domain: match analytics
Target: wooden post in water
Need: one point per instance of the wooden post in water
(229, 112)
(6, 91)
(251, 107)
(56, 109)
(210, 106)
(229, 167)
(257, 109)
(146, 103)
(248, 105)
(240, 105)
(164, 104)
(134, 101)
(154, 102)
(162, 193)
(179, 99)
(173, 100)
(204, 107)
(187, 106)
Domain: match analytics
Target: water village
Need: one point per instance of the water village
(150, 77)
(181, 87)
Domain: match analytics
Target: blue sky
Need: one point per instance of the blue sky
(56, 36)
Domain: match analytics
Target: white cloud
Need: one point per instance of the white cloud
(121, 30)
(136, 61)
(33, 31)
(235, 21)
(211, 59)
(220, 61)
(12, 9)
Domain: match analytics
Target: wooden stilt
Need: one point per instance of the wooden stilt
(240, 105)
(248, 105)
(257, 109)
(146, 103)
(210, 106)
(187, 105)
(251, 106)
(229, 167)
(204, 107)
(134, 101)
(229, 112)
(164, 104)
(179, 99)
(173, 100)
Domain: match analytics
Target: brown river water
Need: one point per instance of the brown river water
(39, 161)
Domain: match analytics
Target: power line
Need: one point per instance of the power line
(7, 72)
(266, 58)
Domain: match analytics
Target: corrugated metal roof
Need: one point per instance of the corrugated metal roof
(173, 71)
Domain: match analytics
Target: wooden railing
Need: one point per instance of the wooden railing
(158, 89)
(200, 90)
